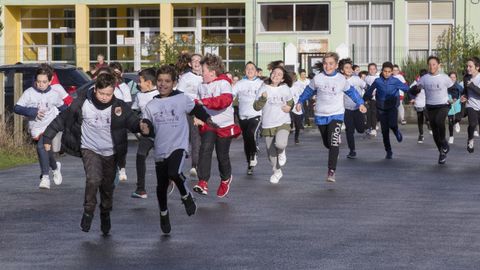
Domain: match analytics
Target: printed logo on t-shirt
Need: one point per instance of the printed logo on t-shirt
(99, 121)
(168, 115)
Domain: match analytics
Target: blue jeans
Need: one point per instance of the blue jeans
(46, 159)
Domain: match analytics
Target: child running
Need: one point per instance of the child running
(246, 91)
(41, 104)
(472, 98)
(437, 87)
(168, 124)
(215, 94)
(297, 116)
(387, 98)
(190, 79)
(276, 101)
(455, 112)
(148, 90)
(417, 98)
(95, 129)
(330, 87)
(371, 104)
(354, 119)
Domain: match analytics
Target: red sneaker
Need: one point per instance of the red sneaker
(224, 187)
(201, 187)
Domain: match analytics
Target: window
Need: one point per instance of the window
(48, 35)
(124, 35)
(294, 17)
(370, 31)
(220, 31)
(427, 20)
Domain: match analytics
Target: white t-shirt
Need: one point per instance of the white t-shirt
(96, 129)
(297, 90)
(44, 101)
(122, 91)
(222, 117)
(400, 77)
(360, 86)
(330, 92)
(142, 99)
(473, 98)
(435, 87)
(188, 83)
(369, 79)
(246, 91)
(420, 98)
(272, 113)
(60, 90)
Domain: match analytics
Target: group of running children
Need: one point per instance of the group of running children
(190, 106)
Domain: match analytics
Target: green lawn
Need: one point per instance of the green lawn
(9, 160)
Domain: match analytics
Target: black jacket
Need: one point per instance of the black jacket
(70, 122)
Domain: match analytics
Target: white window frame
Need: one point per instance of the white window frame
(429, 21)
(294, 6)
(49, 31)
(368, 22)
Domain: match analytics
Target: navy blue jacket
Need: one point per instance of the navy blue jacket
(387, 94)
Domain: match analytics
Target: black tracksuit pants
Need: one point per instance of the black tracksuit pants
(354, 120)
(144, 147)
(211, 141)
(437, 116)
(170, 169)
(250, 128)
(331, 140)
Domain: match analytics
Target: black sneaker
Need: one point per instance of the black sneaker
(389, 155)
(86, 222)
(420, 139)
(442, 158)
(352, 155)
(105, 223)
(399, 136)
(297, 141)
(470, 146)
(190, 206)
(165, 223)
(250, 170)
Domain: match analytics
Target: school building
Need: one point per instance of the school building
(298, 31)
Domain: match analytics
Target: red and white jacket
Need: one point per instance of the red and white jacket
(57, 87)
(217, 99)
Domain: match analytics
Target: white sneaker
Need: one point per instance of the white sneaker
(373, 133)
(475, 133)
(122, 175)
(450, 140)
(282, 158)
(254, 161)
(430, 132)
(193, 172)
(57, 174)
(457, 127)
(275, 178)
(44, 182)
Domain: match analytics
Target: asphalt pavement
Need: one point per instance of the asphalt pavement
(404, 213)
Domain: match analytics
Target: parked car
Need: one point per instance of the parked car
(69, 76)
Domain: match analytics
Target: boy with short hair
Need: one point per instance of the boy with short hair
(387, 95)
(148, 90)
(167, 123)
(95, 129)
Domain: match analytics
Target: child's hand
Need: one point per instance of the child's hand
(47, 146)
(412, 101)
(463, 99)
(144, 128)
(286, 108)
(362, 108)
(197, 122)
(264, 95)
(40, 114)
(211, 123)
(298, 107)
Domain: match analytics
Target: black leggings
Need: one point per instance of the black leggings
(331, 140)
(144, 147)
(437, 116)
(250, 129)
(372, 114)
(452, 120)
(354, 120)
(473, 117)
(388, 120)
(170, 169)
(297, 123)
(421, 115)
(210, 140)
